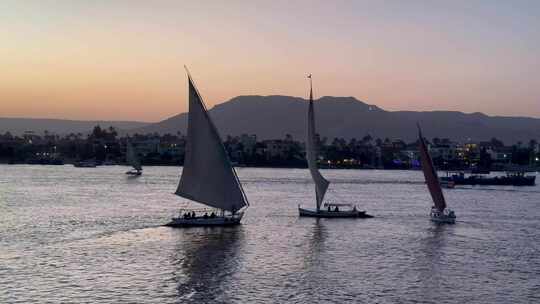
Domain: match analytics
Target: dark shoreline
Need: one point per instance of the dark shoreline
(265, 167)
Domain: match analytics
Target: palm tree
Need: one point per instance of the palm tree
(367, 139)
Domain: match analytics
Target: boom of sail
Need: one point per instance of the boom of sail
(132, 158)
(208, 176)
(432, 180)
(321, 184)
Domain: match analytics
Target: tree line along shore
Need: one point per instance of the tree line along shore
(105, 146)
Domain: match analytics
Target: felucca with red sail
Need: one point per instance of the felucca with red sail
(439, 212)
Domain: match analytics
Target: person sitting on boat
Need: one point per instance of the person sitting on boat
(193, 214)
(329, 209)
(212, 215)
(205, 215)
(186, 215)
(336, 209)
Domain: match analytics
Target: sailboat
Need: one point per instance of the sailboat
(208, 177)
(321, 184)
(133, 160)
(439, 213)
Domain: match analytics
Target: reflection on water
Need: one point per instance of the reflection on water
(133, 178)
(313, 256)
(430, 259)
(206, 258)
(314, 263)
(71, 235)
(312, 259)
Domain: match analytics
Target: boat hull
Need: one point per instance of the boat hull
(333, 214)
(135, 173)
(443, 217)
(444, 220)
(180, 222)
(491, 181)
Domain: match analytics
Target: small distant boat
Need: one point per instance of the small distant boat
(447, 184)
(331, 210)
(133, 160)
(208, 176)
(321, 184)
(45, 161)
(439, 213)
(85, 164)
(512, 178)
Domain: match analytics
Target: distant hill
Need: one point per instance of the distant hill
(17, 126)
(271, 117)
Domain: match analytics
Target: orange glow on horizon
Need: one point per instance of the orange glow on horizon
(118, 61)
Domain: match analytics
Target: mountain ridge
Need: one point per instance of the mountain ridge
(274, 116)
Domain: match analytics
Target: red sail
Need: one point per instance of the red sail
(432, 180)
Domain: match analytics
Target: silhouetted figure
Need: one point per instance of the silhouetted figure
(329, 209)
(336, 209)
(205, 215)
(212, 215)
(193, 214)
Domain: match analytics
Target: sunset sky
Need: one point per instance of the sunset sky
(123, 60)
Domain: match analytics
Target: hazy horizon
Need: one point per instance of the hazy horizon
(123, 60)
(219, 103)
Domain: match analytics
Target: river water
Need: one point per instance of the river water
(75, 235)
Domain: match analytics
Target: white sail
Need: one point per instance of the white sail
(321, 184)
(132, 158)
(208, 176)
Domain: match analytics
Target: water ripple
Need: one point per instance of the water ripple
(74, 235)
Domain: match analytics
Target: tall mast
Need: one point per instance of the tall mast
(216, 131)
(208, 176)
(321, 184)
